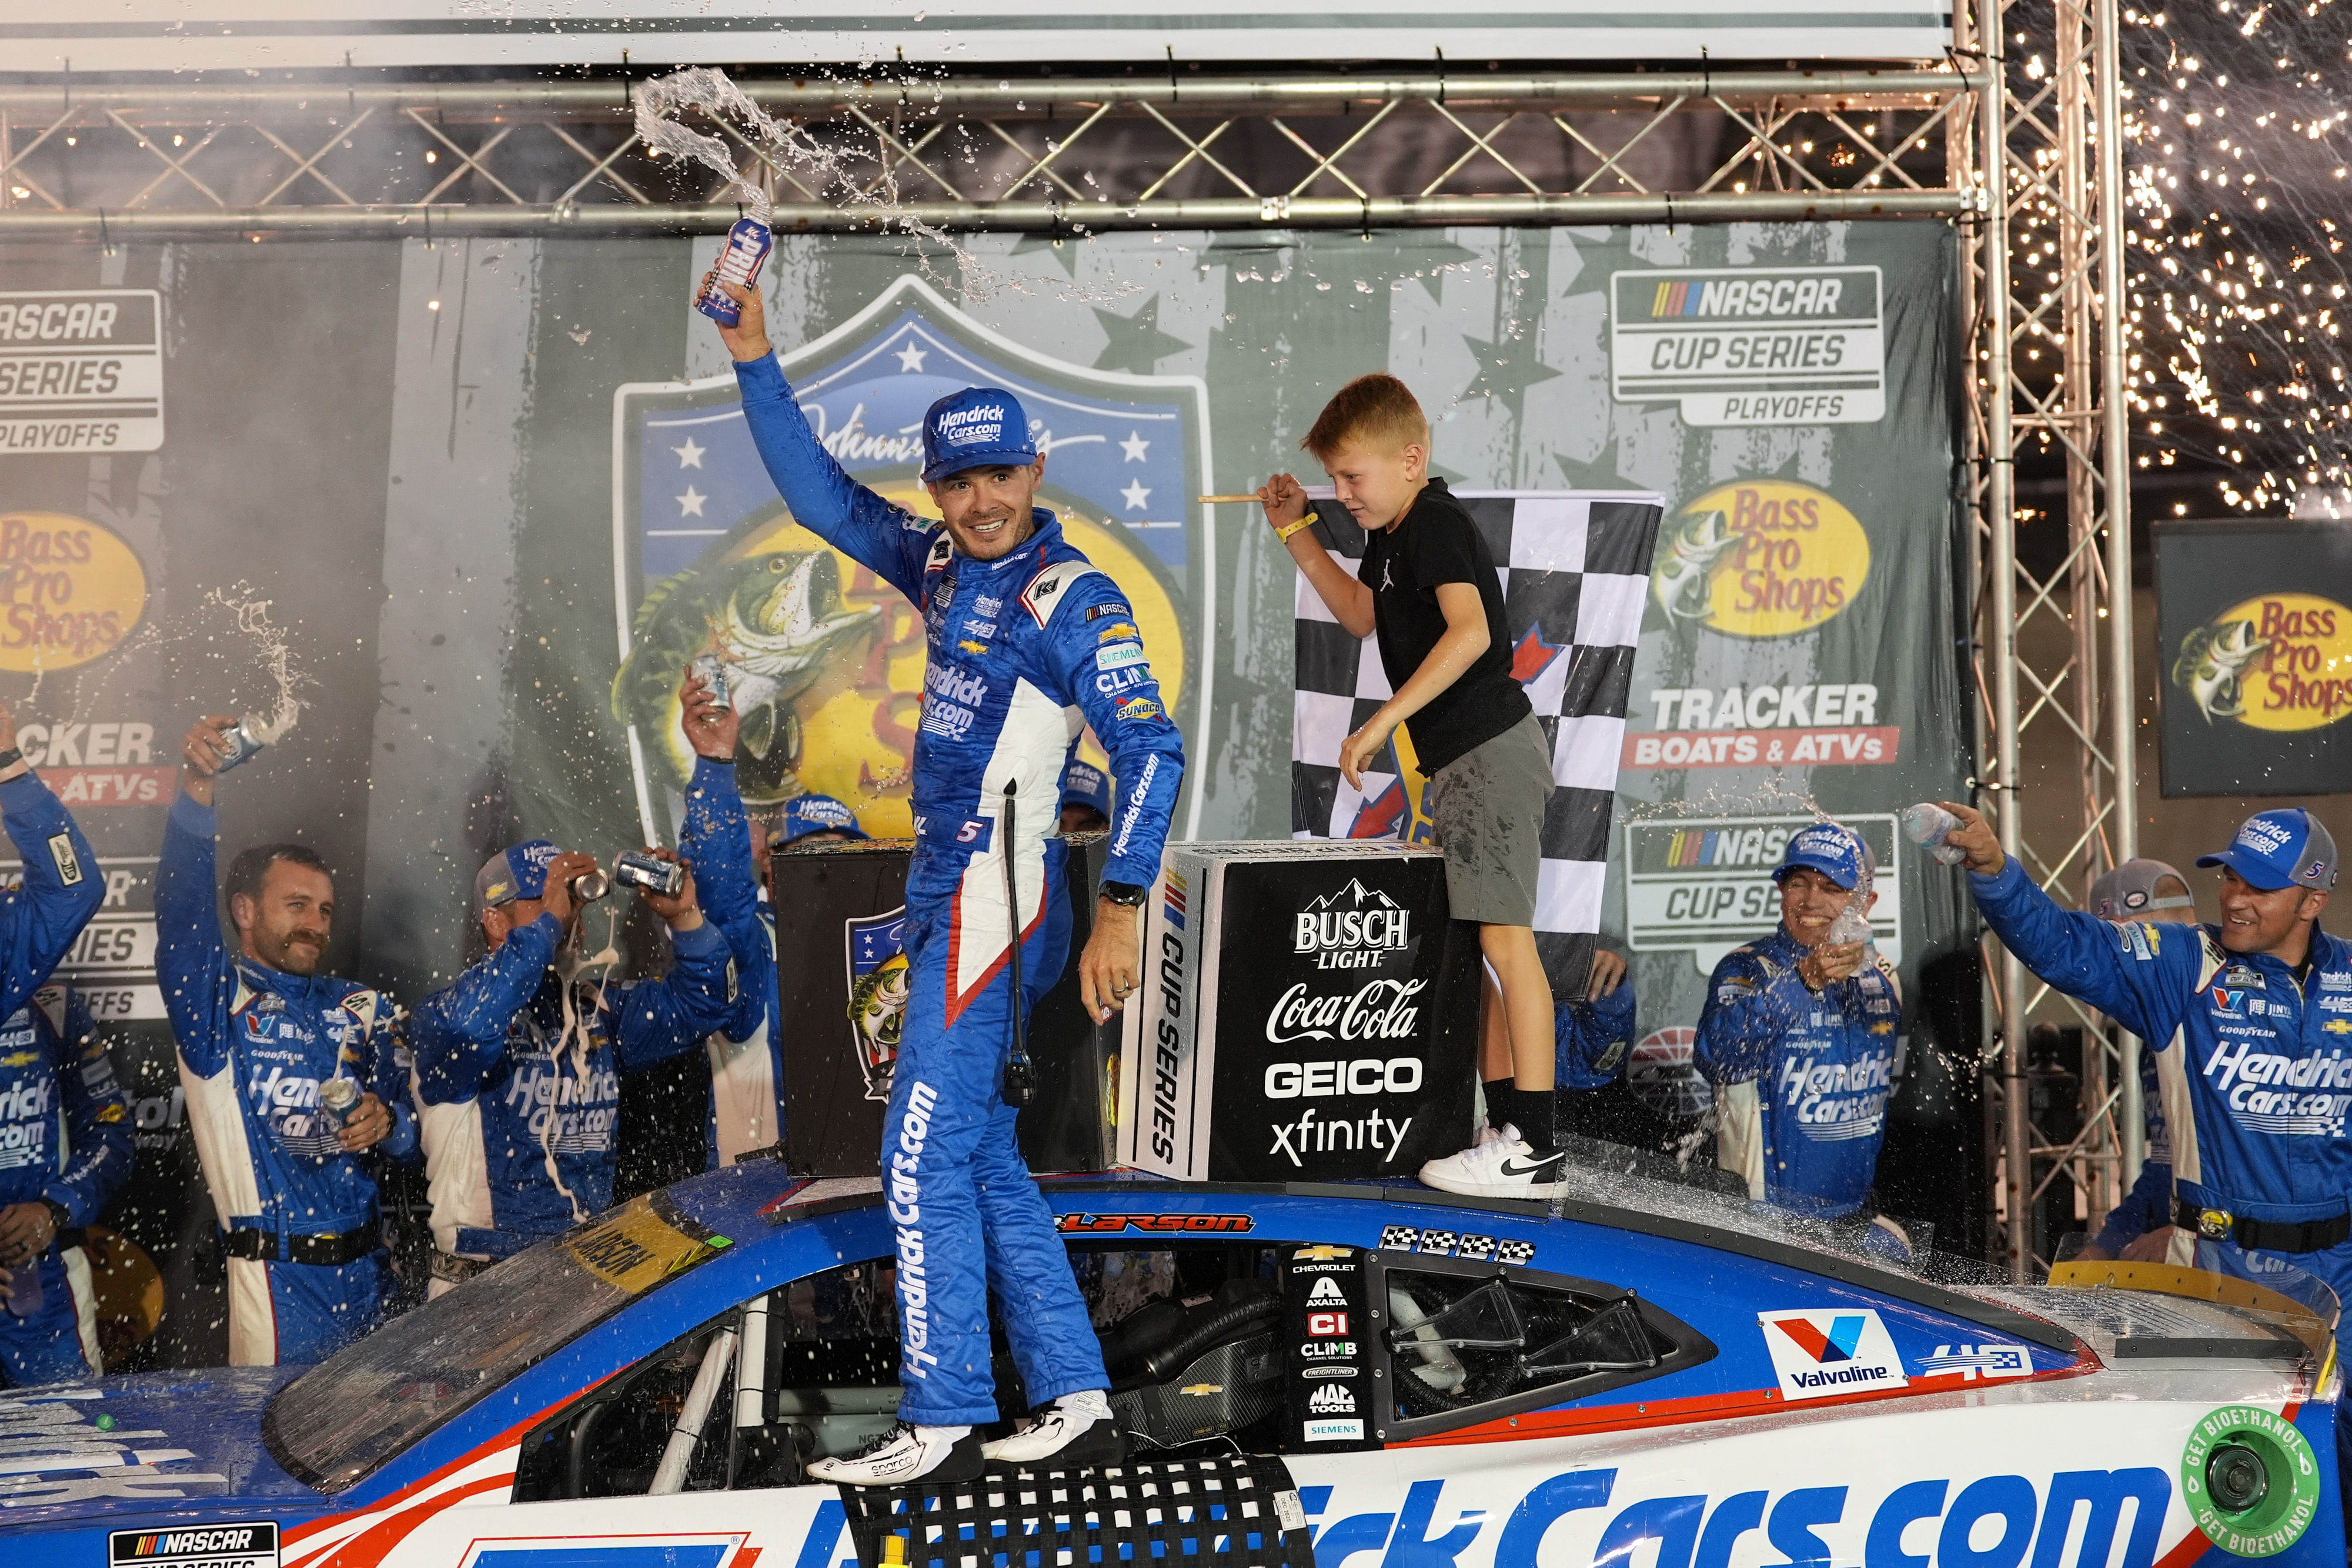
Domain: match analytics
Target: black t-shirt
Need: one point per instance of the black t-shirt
(1436, 542)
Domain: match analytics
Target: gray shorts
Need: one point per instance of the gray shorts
(1487, 806)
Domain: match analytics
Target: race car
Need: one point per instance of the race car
(1640, 1375)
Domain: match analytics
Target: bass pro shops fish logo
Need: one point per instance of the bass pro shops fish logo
(2281, 661)
(1760, 557)
(1822, 1354)
(878, 995)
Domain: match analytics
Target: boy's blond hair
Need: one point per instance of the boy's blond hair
(1378, 409)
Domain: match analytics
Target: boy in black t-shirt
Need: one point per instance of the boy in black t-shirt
(1428, 586)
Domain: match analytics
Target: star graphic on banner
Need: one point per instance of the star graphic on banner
(1136, 496)
(1533, 655)
(1135, 446)
(1137, 343)
(1506, 371)
(689, 456)
(690, 503)
(910, 358)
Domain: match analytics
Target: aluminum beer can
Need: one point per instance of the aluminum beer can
(634, 868)
(588, 886)
(713, 672)
(244, 740)
(747, 244)
(338, 1098)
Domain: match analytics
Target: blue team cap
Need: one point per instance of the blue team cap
(520, 871)
(1087, 785)
(806, 814)
(2286, 848)
(1829, 848)
(975, 428)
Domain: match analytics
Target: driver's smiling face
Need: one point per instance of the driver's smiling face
(987, 509)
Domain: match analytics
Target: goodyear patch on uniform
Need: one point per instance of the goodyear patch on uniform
(61, 851)
(199, 1545)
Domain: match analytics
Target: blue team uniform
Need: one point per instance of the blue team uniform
(56, 1078)
(520, 1102)
(747, 1051)
(2255, 1068)
(1802, 1080)
(2148, 1204)
(306, 1270)
(1593, 1039)
(1021, 649)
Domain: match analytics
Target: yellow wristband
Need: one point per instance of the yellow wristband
(1302, 525)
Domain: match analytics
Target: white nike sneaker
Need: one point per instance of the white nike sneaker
(1487, 1134)
(1075, 1429)
(906, 1453)
(1499, 1167)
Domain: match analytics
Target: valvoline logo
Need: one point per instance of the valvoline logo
(2232, 1002)
(1819, 1354)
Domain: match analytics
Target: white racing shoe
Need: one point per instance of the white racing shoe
(904, 1455)
(1076, 1430)
(1499, 1167)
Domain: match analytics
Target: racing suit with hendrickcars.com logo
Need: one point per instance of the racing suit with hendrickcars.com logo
(1803, 1077)
(306, 1269)
(1021, 648)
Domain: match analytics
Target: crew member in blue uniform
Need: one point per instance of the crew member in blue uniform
(260, 1031)
(1798, 1035)
(1595, 1032)
(1025, 638)
(517, 1062)
(2139, 1228)
(55, 1075)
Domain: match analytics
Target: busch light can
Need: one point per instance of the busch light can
(588, 886)
(636, 868)
(338, 1098)
(244, 740)
(714, 675)
(747, 244)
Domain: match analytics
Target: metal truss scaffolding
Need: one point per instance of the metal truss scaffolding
(2045, 294)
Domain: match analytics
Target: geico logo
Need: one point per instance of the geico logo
(1349, 928)
(28, 1099)
(1315, 1080)
(1377, 1011)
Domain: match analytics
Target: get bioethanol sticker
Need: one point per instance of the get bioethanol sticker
(2223, 1449)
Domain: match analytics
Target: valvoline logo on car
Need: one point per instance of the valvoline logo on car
(1820, 1353)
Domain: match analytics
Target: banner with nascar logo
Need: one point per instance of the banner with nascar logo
(2254, 656)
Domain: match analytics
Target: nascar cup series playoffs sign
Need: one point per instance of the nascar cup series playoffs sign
(1309, 1012)
(1739, 345)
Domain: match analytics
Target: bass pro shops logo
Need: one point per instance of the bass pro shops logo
(1820, 1354)
(2283, 662)
(1353, 928)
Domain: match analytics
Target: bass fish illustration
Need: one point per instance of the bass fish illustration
(777, 622)
(1683, 584)
(2214, 659)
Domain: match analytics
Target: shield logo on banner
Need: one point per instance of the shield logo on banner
(878, 994)
(825, 658)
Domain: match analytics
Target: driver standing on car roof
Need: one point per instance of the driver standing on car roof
(1799, 1035)
(1023, 635)
(2251, 1024)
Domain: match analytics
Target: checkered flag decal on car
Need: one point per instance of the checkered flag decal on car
(1575, 570)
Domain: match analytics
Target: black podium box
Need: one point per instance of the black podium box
(1310, 1011)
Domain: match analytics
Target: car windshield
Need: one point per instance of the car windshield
(339, 1420)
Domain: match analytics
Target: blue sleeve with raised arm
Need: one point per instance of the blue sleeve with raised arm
(101, 1145)
(459, 1033)
(1102, 666)
(63, 888)
(718, 844)
(1594, 1038)
(191, 960)
(1748, 1013)
(388, 1079)
(823, 498)
(2139, 973)
(656, 1019)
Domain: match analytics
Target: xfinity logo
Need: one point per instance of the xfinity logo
(1350, 929)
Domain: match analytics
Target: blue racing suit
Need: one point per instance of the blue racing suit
(56, 1074)
(1593, 1038)
(1021, 649)
(517, 1078)
(1802, 1080)
(747, 1051)
(2255, 1068)
(2148, 1204)
(305, 1271)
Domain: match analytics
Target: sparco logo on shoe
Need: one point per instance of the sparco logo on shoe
(1378, 1009)
(1353, 928)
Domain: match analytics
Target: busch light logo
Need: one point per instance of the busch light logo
(1822, 1354)
(1353, 928)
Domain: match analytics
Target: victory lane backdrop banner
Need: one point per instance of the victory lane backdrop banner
(462, 475)
(1574, 569)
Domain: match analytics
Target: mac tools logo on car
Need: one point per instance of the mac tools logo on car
(1819, 1354)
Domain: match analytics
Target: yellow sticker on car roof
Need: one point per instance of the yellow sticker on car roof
(634, 1248)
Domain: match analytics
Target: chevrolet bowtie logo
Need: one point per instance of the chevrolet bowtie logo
(1322, 1252)
(1202, 1390)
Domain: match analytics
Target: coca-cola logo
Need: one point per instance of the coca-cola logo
(1378, 1009)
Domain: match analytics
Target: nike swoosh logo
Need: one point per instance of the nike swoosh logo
(1514, 1168)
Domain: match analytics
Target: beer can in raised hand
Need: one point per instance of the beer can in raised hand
(747, 244)
(634, 868)
(338, 1098)
(713, 671)
(244, 740)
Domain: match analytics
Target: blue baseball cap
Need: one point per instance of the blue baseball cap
(1087, 785)
(975, 428)
(806, 814)
(2286, 848)
(1829, 848)
(516, 871)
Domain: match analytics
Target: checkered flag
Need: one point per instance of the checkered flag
(1575, 568)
